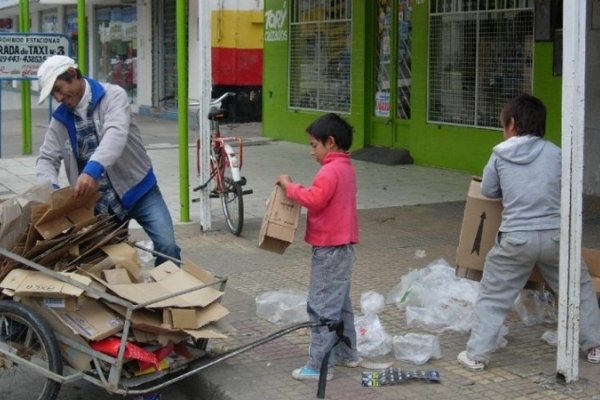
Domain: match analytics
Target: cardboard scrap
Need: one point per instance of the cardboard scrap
(279, 222)
(65, 212)
(37, 284)
(172, 279)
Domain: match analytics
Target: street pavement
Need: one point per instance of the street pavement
(409, 216)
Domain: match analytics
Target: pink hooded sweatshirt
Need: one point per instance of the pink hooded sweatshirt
(331, 202)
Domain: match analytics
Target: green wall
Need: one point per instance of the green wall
(446, 146)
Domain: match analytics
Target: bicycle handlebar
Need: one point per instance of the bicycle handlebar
(220, 99)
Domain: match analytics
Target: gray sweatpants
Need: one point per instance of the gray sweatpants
(507, 268)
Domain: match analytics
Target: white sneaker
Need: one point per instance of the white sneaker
(594, 355)
(465, 361)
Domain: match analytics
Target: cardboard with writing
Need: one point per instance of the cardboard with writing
(92, 320)
(25, 283)
(279, 222)
(75, 358)
(481, 220)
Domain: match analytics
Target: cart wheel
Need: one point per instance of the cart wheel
(24, 333)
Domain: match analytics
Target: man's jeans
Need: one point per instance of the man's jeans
(152, 214)
(329, 297)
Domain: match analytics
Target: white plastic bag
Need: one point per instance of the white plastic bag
(416, 348)
(535, 307)
(371, 339)
(282, 307)
(371, 302)
(437, 300)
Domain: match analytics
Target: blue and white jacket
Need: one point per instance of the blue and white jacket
(120, 154)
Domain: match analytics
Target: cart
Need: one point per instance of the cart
(30, 349)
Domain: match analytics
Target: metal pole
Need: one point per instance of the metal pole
(81, 38)
(25, 89)
(182, 109)
(204, 51)
(1, 117)
(573, 121)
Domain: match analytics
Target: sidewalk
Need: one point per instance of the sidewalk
(404, 211)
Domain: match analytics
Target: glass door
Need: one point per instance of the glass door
(391, 85)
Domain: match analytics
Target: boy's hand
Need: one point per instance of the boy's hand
(284, 180)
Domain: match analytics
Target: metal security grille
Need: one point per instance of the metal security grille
(480, 56)
(320, 55)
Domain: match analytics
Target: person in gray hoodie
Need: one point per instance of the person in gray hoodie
(93, 132)
(525, 171)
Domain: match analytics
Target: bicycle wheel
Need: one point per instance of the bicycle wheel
(232, 202)
(25, 334)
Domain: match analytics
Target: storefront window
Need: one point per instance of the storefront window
(117, 47)
(320, 55)
(480, 56)
(383, 55)
(404, 58)
(6, 25)
(71, 28)
(49, 21)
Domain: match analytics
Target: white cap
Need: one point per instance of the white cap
(50, 70)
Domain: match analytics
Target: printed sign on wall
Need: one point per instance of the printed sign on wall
(21, 54)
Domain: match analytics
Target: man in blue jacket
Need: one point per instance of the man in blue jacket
(93, 132)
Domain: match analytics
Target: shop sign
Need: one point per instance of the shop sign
(275, 26)
(21, 54)
(382, 104)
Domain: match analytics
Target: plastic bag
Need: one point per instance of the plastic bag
(145, 256)
(535, 307)
(436, 300)
(550, 337)
(282, 307)
(371, 302)
(416, 348)
(371, 339)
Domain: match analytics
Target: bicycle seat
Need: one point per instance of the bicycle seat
(217, 113)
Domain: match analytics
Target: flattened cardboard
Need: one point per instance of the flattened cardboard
(93, 320)
(15, 213)
(480, 225)
(279, 222)
(152, 321)
(126, 256)
(481, 220)
(75, 358)
(37, 284)
(194, 318)
(116, 276)
(592, 260)
(66, 212)
(172, 280)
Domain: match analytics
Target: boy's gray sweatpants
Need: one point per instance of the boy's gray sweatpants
(507, 268)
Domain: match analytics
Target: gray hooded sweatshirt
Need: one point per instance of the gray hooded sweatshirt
(525, 171)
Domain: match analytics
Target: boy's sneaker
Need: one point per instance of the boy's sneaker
(594, 355)
(465, 361)
(350, 363)
(306, 373)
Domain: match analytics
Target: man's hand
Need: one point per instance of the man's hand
(85, 185)
(283, 181)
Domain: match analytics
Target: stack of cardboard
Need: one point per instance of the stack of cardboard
(93, 277)
(478, 233)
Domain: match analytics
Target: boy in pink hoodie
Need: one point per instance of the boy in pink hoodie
(332, 230)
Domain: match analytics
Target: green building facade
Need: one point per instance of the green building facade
(454, 64)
